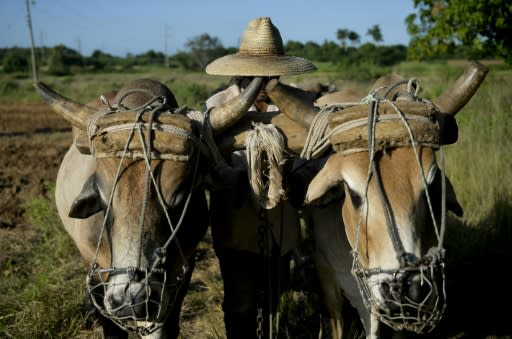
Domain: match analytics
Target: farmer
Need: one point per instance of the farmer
(253, 244)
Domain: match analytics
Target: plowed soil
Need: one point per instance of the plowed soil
(33, 140)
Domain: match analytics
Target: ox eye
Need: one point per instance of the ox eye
(355, 198)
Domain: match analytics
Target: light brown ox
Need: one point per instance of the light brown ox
(395, 273)
(132, 201)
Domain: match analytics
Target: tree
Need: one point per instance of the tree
(204, 49)
(440, 26)
(15, 61)
(151, 57)
(346, 34)
(342, 36)
(375, 33)
(353, 37)
(293, 47)
(62, 58)
(103, 61)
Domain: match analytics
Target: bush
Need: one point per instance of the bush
(13, 62)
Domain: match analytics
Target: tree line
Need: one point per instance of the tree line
(440, 29)
(199, 51)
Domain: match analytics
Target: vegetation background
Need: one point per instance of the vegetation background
(42, 280)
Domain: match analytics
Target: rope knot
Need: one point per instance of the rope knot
(160, 254)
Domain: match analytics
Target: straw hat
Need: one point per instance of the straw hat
(261, 53)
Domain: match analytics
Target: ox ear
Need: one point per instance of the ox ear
(448, 128)
(326, 186)
(88, 202)
(301, 173)
(451, 198)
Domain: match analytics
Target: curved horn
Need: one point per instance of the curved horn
(227, 114)
(74, 112)
(293, 102)
(455, 97)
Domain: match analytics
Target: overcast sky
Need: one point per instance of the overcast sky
(119, 27)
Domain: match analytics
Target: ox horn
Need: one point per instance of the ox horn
(227, 114)
(458, 95)
(293, 102)
(74, 112)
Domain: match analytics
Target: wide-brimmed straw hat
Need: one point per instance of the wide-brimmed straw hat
(261, 53)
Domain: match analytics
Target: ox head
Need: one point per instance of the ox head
(395, 192)
(144, 182)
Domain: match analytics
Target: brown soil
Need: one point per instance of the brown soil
(33, 140)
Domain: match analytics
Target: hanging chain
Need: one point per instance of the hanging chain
(263, 247)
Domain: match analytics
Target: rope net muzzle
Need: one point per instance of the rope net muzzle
(144, 313)
(413, 298)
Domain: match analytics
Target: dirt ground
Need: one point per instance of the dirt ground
(33, 140)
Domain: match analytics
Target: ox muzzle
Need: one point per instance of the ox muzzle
(135, 299)
(411, 298)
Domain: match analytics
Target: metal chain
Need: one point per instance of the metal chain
(259, 321)
(263, 247)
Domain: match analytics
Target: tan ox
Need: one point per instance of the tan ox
(380, 244)
(131, 200)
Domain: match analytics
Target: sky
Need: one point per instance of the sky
(119, 27)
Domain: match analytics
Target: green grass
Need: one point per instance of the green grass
(40, 297)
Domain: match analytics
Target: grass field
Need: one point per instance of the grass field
(41, 291)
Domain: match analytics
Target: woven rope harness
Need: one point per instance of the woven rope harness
(96, 284)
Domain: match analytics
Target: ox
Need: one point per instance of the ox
(129, 193)
(384, 251)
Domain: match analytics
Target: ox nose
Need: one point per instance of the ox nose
(127, 299)
(419, 289)
(406, 289)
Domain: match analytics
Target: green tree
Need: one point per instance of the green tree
(441, 26)
(342, 36)
(100, 60)
(293, 47)
(15, 61)
(62, 58)
(150, 58)
(346, 34)
(353, 37)
(375, 33)
(204, 48)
